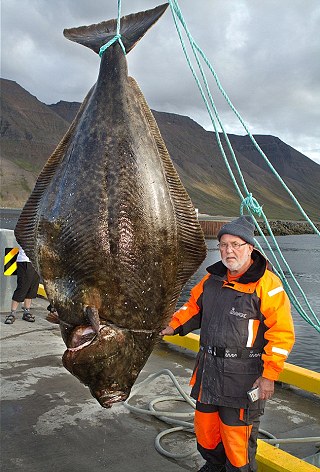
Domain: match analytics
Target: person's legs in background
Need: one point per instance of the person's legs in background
(32, 282)
(12, 316)
(27, 316)
(27, 287)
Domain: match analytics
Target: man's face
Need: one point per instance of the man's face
(235, 253)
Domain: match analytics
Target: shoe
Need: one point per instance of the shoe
(207, 467)
(10, 319)
(28, 317)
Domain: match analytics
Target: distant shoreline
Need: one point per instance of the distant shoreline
(287, 228)
(279, 227)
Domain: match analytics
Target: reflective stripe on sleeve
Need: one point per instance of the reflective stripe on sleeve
(278, 350)
(275, 291)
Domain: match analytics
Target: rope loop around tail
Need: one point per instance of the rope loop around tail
(117, 37)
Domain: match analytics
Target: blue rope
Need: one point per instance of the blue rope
(117, 37)
(250, 203)
(177, 14)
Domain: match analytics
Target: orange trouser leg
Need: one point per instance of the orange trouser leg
(207, 429)
(239, 431)
(227, 436)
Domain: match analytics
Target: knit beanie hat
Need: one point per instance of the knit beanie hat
(242, 227)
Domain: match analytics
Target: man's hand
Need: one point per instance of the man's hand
(266, 388)
(168, 331)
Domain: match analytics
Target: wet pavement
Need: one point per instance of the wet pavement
(50, 421)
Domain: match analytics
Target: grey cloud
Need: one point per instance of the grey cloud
(265, 54)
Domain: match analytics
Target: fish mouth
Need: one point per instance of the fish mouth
(82, 336)
(108, 397)
(108, 362)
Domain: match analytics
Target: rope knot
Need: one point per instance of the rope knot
(117, 37)
(251, 203)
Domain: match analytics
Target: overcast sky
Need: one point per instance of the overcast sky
(265, 52)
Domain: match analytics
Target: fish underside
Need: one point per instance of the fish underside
(109, 225)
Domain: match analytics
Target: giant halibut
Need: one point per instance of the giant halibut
(109, 226)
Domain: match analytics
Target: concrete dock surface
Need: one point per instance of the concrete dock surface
(50, 421)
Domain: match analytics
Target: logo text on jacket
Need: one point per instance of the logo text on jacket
(237, 313)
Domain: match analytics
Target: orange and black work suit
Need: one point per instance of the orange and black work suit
(246, 332)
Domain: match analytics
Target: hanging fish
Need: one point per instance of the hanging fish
(109, 224)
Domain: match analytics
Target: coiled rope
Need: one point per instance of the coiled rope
(176, 419)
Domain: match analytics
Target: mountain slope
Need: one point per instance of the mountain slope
(201, 167)
(29, 133)
(30, 130)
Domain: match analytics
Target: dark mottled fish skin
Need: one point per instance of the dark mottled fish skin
(109, 224)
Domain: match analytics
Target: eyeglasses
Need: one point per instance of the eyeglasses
(233, 245)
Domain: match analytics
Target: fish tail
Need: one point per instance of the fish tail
(132, 28)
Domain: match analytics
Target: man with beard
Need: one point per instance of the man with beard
(246, 335)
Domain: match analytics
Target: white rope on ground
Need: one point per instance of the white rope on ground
(175, 418)
(168, 417)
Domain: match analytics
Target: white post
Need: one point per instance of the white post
(8, 283)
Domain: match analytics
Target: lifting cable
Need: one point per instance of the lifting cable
(247, 201)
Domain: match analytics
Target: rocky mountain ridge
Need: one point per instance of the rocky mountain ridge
(30, 130)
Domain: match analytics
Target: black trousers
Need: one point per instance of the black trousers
(27, 282)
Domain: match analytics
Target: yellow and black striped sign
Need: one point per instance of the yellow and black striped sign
(10, 261)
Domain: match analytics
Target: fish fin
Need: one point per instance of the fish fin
(192, 248)
(132, 28)
(25, 230)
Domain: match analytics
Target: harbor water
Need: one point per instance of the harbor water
(302, 253)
